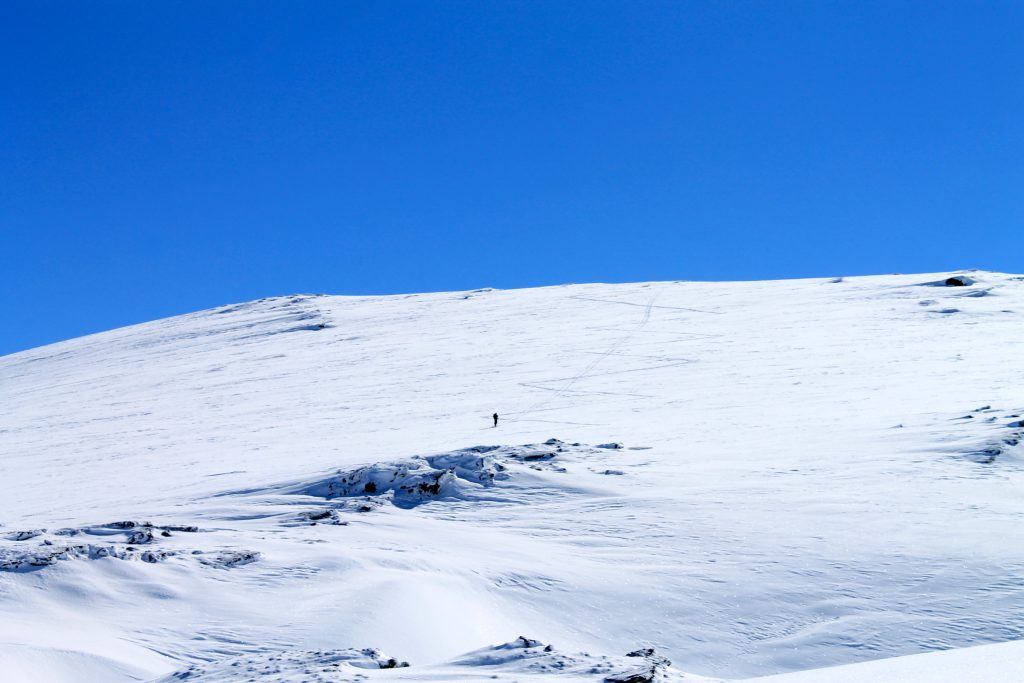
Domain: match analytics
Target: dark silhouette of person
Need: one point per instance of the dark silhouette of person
(495, 416)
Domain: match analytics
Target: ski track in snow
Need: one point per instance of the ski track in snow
(748, 478)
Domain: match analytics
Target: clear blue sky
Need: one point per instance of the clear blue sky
(159, 158)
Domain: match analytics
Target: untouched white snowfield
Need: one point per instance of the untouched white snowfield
(727, 479)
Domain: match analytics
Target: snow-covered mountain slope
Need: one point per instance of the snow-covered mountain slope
(749, 478)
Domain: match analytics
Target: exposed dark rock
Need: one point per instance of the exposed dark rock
(154, 556)
(638, 677)
(537, 456)
(140, 537)
(523, 641)
(129, 525)
(393, 663)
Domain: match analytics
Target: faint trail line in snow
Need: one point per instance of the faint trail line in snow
(584, 391)
(665, 359)
(560, 422)
(649, 306)
(648, 367)
(585, 372)
(678, 335)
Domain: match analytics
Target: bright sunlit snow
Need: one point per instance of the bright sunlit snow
(726, 479)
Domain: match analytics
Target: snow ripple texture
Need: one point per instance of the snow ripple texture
(748, 478)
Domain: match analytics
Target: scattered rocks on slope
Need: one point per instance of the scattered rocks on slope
(309, 666)
(47, 555)
(53, 547)
(653, 667)
(528, 656)
(140, 537)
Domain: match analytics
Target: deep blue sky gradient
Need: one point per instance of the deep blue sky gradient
(159, 158)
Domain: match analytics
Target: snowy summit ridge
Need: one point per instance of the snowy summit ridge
(731, 480)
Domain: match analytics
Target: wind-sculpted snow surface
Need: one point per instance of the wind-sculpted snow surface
(1003, 439)
(748, 479)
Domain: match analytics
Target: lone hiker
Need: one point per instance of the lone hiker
(495, 416)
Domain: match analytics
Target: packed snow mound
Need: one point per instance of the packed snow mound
(455, 475)
(409, 483)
